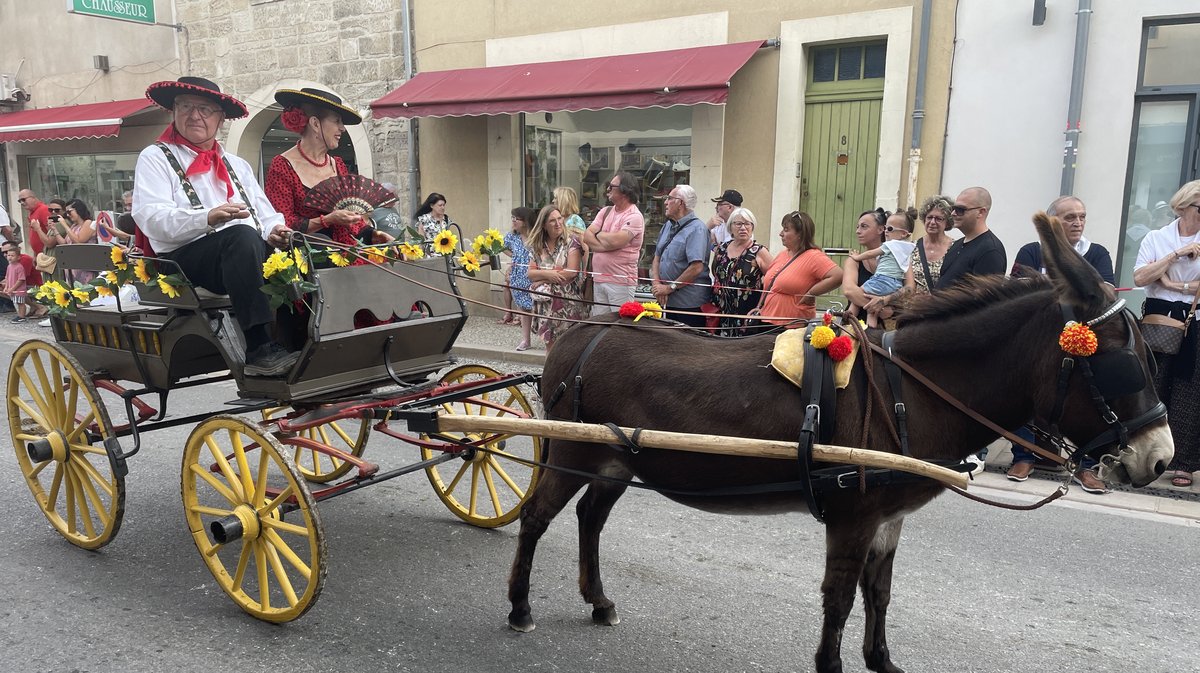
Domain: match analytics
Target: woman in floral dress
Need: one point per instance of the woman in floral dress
(555, 272)
(738, 267)
(518, 273)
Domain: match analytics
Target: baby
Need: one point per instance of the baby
(15, 286)
(893, 262)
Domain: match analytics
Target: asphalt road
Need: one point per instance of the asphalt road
(411, 588)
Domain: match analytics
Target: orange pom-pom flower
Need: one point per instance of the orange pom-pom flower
(1078, 339)
(840, 348)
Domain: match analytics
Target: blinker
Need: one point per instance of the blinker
(1118, 373)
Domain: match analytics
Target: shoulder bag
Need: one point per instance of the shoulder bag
(929, 282)
(1164, 334)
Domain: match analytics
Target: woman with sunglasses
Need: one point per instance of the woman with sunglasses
(1168, 268)
(800, 274)
(82, 229)
(737, 270)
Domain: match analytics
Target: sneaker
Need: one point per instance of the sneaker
(44, 323)
(1089, 482)
(1020, 471)
(18, 319)
(269, 359)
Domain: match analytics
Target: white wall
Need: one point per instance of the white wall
(1008, 109)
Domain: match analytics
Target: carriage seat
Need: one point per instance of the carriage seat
(787, 358)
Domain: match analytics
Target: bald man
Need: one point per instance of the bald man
(979, 252)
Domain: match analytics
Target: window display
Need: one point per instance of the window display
(98, 180)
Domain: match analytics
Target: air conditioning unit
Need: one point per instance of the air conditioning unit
(9, 91)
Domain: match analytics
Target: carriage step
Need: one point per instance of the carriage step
(145, 325)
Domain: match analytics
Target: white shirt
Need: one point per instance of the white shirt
(902, 251)
(1161, 243)
(4, 221)
(163, 211)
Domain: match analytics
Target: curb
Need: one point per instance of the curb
(507, 355)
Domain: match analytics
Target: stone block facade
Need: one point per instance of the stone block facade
(354, 47)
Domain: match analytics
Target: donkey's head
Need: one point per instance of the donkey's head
(1110, 408)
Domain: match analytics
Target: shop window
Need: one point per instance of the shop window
(98, 180)
(278, 140)
(1170, 55)
(583, 150)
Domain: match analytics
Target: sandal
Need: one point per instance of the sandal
(508, 319)
(523, 346)
(1182, 479)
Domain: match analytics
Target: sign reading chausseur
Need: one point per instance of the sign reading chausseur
(138, 11)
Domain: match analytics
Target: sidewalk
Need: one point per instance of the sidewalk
(483, 339)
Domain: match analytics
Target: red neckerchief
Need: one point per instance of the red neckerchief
(205, 161)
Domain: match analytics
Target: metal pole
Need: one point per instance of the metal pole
(1083, 21)
(414, 172)
(918, 113)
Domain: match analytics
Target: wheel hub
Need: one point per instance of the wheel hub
(242, 524)
(53, 446)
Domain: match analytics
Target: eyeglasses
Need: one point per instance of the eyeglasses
(739, 223)
(673, 198)
(935, 218)
(55, 210)
(610, 186)
(889, 229)
(1196, 206)
(963, 210)
(206, 111)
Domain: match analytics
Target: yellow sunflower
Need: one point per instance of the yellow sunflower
(140, 270)
(411, 251)
(480, 245)
(338, 259)
(445, 242)
(493, 236)
(469, 261)
(62, 296)
(81, 294)
(278, 261)
(168, 289)
(110, 277)
(103, 291)
(301, 260)
(118, 258)
(374, 255)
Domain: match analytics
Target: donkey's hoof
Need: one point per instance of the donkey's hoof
(605, 616)
(521, 623)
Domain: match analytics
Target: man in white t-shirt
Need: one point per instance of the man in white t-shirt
(615, 240)
(717, 226)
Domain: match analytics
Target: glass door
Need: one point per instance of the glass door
(1158, 166)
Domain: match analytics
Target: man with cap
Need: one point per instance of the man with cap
(202, 208)
(718, 223)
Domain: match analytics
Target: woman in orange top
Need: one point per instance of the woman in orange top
(799, 274)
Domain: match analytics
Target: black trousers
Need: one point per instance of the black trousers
(229, 262)
(699, 321)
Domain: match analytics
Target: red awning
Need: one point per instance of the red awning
(655, 79)
(92, 120)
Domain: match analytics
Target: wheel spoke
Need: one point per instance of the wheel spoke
(71, 404)
(94, 474)
(282, 546)
(216, 484)
(457, 477)
(239, 573)
(285, 584)
(210, 511)
(82, 425)
(504, 476)
(89, 490)
(285, 527)
(474, 484)
(85, 514)
(223, 465)
(276, 501)
(264, 584)
(491, 487)
(239, 454)
(56, 392)
(343, 434)
(260, 486)
(55, 484)
(41, 416)
(44, 387)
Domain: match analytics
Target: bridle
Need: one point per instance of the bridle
(1109, 375)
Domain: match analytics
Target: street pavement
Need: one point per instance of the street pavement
(1082, 585)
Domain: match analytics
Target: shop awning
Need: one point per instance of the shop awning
(654, 79)
(92, 120)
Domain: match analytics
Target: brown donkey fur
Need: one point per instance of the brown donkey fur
(990, 330)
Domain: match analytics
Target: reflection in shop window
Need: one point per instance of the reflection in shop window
(98, 180)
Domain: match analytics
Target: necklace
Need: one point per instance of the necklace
(309, 160)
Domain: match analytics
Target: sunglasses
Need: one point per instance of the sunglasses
(610, 186)
(23, 199)
(963, 210)
(55, 210)
(889, 229)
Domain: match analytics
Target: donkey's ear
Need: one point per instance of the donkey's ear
(1076, 280)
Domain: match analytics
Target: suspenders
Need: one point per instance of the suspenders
(190, 191)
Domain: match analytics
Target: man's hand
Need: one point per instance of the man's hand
(279, 236)
(226, 213)
(661, 291)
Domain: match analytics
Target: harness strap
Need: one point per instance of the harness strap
(575, 377)
(896, 383)
(971, 413)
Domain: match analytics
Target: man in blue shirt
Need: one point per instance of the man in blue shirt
(680, 268)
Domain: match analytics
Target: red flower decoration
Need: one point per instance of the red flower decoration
(827, 318)
(294, 119)
(1078, 339)
(840, 348)
(631, 309)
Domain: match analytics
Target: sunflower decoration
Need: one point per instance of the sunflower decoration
(411, 252)
(445, 242)
(119, 258)
(63, 299)
(167, 288)
(469, 262)
(285, 273)
(1078, 339)
(338, 259)
(142, 270)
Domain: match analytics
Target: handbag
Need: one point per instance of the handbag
(1164, 334)
(45, 263)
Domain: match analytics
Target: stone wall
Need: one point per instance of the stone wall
(354, 47)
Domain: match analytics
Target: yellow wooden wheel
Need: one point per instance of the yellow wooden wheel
(237, 486)
(349, 435)
(487, 488)
(59, 427)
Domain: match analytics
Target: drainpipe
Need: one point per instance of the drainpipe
(1083, 22)
(414, 172)
(918, 113)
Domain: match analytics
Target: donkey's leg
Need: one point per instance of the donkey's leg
(553, 492)
(593, 510)
(846, 545)
(876, 585)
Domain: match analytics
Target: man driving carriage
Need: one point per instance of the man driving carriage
(202, 208)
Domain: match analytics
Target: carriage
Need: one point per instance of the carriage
(254, 468)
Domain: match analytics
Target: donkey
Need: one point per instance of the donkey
(1003, 334)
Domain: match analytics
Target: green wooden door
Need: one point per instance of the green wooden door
(842, 112)
(837, 175)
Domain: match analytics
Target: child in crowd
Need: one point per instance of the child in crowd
(15, 286)
(893, 262)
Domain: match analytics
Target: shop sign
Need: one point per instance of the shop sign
(137, 11)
